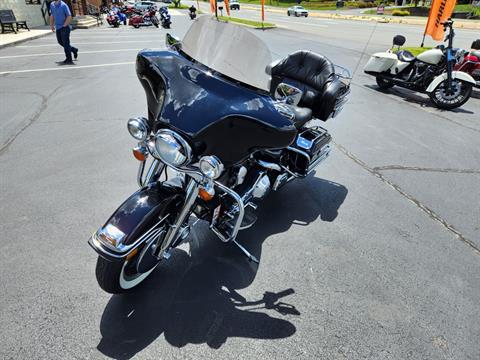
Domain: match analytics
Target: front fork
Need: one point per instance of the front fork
(450, 61)
(190, 197)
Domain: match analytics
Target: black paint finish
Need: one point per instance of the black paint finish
(218, 116)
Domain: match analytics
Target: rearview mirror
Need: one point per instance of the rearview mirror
(172, 41)
(288, 93)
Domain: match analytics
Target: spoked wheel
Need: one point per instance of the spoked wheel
(447, 99)
(384, 84)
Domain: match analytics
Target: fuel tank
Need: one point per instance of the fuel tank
(217, 115)
(432, 56)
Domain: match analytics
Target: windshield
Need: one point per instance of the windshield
(229, 49)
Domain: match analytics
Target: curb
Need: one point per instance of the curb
(19, 41)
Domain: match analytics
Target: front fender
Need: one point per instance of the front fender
(455, 75)
(121, 234)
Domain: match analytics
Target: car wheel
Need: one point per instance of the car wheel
(306, 15)
(296, 14)
(288, 13)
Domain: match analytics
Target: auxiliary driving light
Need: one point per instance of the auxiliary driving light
(211, 167)
(138, 128)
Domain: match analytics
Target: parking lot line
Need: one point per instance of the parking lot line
(86, 43)
(61, 53)
(66, 67)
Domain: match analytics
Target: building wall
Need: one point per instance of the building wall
(31, 13)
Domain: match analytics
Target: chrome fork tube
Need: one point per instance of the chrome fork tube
(155, 167)
(191, 196)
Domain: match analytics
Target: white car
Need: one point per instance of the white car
(144, 5)
(297, 11)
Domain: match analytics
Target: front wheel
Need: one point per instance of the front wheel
(119, 276)
(384, 84)
(453, 98)
(288, 13)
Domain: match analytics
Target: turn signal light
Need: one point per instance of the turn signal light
(205, 195)
(132, 254)
(140, 153)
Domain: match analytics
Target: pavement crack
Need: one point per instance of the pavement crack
(417, 168)
(430, 213)
(43, 106)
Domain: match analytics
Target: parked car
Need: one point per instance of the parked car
(297, 11)
(234, 5)
(144, 5)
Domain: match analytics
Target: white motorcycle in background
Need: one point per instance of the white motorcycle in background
(431, 72)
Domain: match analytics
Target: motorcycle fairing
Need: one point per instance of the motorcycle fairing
(204, 106)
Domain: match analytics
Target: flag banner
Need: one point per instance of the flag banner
(440, 11)
(263, 10)
(212, 6)
(227, 7)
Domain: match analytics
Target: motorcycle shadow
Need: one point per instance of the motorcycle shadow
(192, 298)
(418, 98)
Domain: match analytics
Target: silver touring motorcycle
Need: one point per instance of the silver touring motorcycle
(225, 126)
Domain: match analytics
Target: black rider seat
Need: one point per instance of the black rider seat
(302, 116)
(312, 74)
(405, 56)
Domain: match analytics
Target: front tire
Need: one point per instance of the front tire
(384, 84)
(459, 95)
(118, 277)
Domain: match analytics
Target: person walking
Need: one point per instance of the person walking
(60, 19)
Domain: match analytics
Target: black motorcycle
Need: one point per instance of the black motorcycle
(165, 18)
(431, 72)
(192, 12)
(225, 127)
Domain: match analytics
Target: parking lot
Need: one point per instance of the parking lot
(376, 256)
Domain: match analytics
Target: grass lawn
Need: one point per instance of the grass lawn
(415, 50)
(458, 8)
(246, 22)
(310, 5)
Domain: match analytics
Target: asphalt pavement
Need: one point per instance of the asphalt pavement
(376, 256)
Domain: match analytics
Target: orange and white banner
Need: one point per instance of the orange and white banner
(227, 7)
(440, 11)
(212, 6)
(263, 10)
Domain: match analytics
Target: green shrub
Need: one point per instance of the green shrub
(397, 12)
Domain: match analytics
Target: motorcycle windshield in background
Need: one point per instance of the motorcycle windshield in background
(230, 50)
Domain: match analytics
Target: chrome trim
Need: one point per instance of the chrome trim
(269, 165)
(241, 213)
(323, 155)
(141, 168)
(155, 167)
(190, 198)
(123, 251)
(299, 152)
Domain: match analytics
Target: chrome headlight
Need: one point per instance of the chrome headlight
(172, 149)
(138, 128)
(211, 167)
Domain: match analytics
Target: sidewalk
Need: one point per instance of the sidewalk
(11, 38)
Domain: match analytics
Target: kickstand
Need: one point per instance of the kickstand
(246, 252)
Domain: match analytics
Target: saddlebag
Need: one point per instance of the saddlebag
(310, 148)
